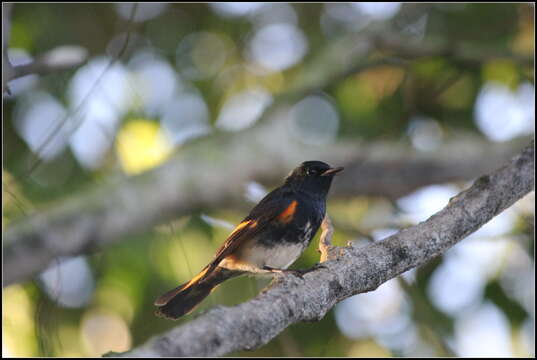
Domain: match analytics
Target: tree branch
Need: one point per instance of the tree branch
(249, 325)
(462, 53)
(58, 59)
(200, 178)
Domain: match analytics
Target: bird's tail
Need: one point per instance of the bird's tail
(184, 298)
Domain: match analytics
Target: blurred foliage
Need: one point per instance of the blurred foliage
(211, 53)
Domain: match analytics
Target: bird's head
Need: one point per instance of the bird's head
(314, 176)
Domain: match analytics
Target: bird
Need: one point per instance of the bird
(267, 241)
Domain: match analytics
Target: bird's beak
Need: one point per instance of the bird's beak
(332, 171)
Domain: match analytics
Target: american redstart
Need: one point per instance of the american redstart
(268, 240)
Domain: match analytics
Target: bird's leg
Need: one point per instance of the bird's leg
(298, 273)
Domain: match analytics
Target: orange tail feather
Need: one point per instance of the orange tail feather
(184, 298)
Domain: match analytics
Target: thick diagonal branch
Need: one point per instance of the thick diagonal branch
(354, 270)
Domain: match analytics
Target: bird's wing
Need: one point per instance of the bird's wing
(276, 206)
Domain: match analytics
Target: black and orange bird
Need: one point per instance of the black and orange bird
(268, 240)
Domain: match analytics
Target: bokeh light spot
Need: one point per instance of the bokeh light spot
(141, 145)
(315, 120)
(18, 329)
(103, 331)
(243, 109)
(68, 282)
(202, 55)
(41, 121)
(277, 46)
(378, 10)
(502, 114)
(185, 118)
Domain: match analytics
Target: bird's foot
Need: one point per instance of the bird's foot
(298, 273)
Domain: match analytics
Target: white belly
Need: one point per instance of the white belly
(254, 258)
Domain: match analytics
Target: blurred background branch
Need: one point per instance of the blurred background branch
(187, 183)
(354, 270)
(459, 53)
(56, 60)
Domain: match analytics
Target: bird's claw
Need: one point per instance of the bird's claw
(298, 273)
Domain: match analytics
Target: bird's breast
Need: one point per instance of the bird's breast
(282, 242)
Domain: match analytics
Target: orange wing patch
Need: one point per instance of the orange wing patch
(248, 223)
(287, 215)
